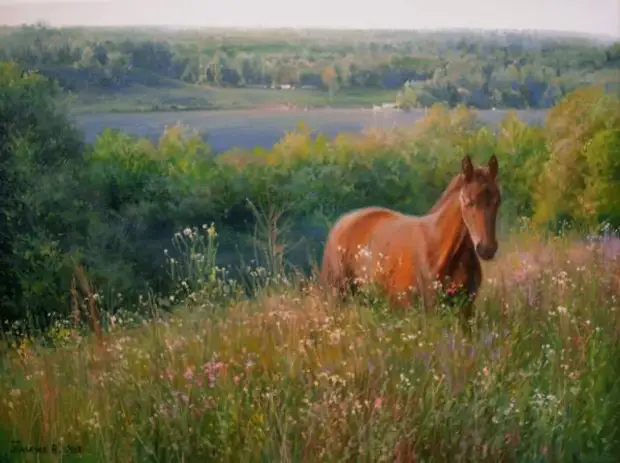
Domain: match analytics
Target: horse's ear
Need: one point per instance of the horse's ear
(493, 166)
(467, 168)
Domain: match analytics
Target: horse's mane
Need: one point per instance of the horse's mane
(455, 185)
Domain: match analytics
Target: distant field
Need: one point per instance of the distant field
(249, 128)
(178, 96)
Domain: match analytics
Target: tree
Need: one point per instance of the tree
(287, 74)
(40, 158)
(602, 185)
(330, 80)
(214, 71)
(407, 98)
(574, 176)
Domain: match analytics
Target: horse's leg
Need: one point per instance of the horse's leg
(465, 317)
(333, 274)
(346, 290)
(429, 299)
(343, 286)
(399, 301)
(467, 310)
(428, 294)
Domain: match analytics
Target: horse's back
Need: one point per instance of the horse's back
(351, 233)
(356, 226)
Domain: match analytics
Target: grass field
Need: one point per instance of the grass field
(248, 128)
(290, 376)
(178, 97)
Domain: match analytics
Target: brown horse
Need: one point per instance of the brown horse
(406, 255)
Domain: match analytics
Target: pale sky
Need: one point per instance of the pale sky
(600, 17)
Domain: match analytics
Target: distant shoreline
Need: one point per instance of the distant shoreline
(86, 111)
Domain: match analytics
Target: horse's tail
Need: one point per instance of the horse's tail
(332, 265)
(334, 275)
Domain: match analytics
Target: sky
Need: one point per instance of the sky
(598, 17)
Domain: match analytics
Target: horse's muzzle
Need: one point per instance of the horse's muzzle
(486, 252)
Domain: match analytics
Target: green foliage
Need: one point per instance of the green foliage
(603, 184)
(522, 151)
(482, 70)
(408, 98)
(582, 145)
(40, 158)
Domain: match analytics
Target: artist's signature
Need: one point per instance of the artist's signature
(19, 447)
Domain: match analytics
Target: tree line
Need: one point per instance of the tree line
(482, 70)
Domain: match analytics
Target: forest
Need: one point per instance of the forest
(478, 69)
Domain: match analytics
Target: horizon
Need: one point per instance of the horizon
(594, 18)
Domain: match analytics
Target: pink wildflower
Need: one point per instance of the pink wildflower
(212, 370)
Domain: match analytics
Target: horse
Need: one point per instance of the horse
(412, 256)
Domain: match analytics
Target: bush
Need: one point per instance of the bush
(579, 162)
(40, 157)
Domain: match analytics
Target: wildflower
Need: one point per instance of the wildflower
(211, 231)
(212, 370)
(561, 310)
(189, 374)
(378, 402)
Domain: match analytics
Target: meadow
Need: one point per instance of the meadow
(188, 97)
(290, 375)
(159, 302)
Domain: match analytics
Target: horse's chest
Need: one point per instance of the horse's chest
(467, 274)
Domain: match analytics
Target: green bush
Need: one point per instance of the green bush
(40, 159)
(113, 206)
(582, 148)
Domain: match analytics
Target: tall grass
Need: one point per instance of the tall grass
(290, 375)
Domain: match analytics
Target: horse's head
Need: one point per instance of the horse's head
(480, 199)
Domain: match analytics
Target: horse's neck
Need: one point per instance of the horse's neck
(447, 195)
(450, 232)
